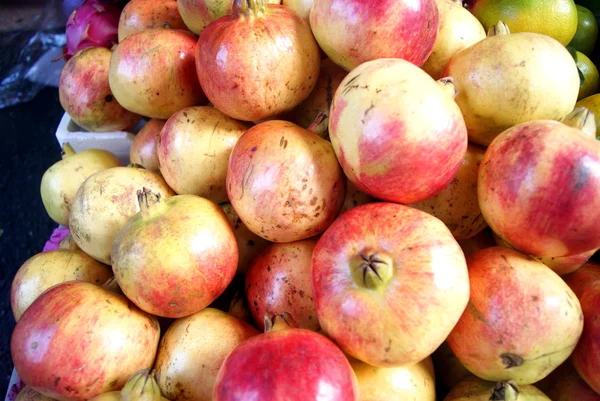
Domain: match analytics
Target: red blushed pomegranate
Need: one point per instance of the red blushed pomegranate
(153, 72)
(539, 189)
(522, 320)
(582, 277)
(285, 182)
(352, 32)
(383, 134)
(78, 340)
(176, 256)
(85, 94)
(139, 15)
(258, 61)
(586, 357)
(564, 384)
(143, 147)
(279, 281)
(389, 283)
(286, 364)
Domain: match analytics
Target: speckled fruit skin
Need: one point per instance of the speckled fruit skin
(285, 182)
(520, 177)
(78, 340)
(352, 32)
(153, 72)
(178, 258)
(104, 203)
(139, 15)
(256, 67)
(383, 134)
(192, 351)
(47, 269)
(522, 320)
(279, 280)
(291, 365)
(143, 147)
(456, 205)
(475, 389)
(85, 94)
(409, 314)
(193, 151)
(414, 382)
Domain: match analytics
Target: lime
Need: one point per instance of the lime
(555, 18)
(587, 31)
(590, 75)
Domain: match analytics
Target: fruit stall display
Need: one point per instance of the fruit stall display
(332, 200)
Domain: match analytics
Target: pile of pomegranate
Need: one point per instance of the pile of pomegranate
(329, 200)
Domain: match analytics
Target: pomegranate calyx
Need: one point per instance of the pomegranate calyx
(505, 391)
(371, 269)
(249, 8)
(500, 28)
(447, 85)
(581, 119)
(67, 150)
(142, 386)
(282, 321)
(238, 307)
(150, 202)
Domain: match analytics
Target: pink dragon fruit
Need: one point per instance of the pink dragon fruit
(94, 24)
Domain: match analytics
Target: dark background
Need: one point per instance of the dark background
(28, 147)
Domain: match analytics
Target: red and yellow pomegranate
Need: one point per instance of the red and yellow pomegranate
(285, 182)
(300, 7)
(475, 389)
(520, 176)
(259, 61)
(192, 351)
(79, 340)
(564, 384)
(153, 72)
(279, 280)
(176, 256)
(85, 93)
(381, 127)
(193, 151)
(139, 15)
(352, 32)
(522, 320)
(143, 147)
(582, 277)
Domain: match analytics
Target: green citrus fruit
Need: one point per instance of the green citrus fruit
(587, 31)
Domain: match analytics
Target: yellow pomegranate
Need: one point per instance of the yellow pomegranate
(508, 79)
(459, 29)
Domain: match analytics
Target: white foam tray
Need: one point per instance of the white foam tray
(117, 142)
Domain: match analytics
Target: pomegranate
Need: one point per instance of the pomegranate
(79, 340)
(459, 29)
(258, 61)
(284, 181)
(475, 389)
(485, 239)
(141, 386)
(260, 368)
(93, 24)
(319, 101)
(249, 244)
(447, 366)
(354, 197)
(582, 277)
(46, 269)
(564, 384)
(389, 283)
(152, 72)
(507, 79)
(522, 321)
(456, 205)
(519, 176)
(190, 227)
(192, 351)
(194, 148)
(381, 126)
(586, 356)
(279, 281)
(68, 243)
(62, 180)
(197, 14)
(139, 15)
(85, 94)
(414, 382)
(352, 32)
(300, 7)
(104, 203)
(143, 147)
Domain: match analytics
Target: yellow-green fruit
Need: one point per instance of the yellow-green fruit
(590, 75)
(508, 79)
(592, 103)
(62, 180)
(555, 18)
(459, 29)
